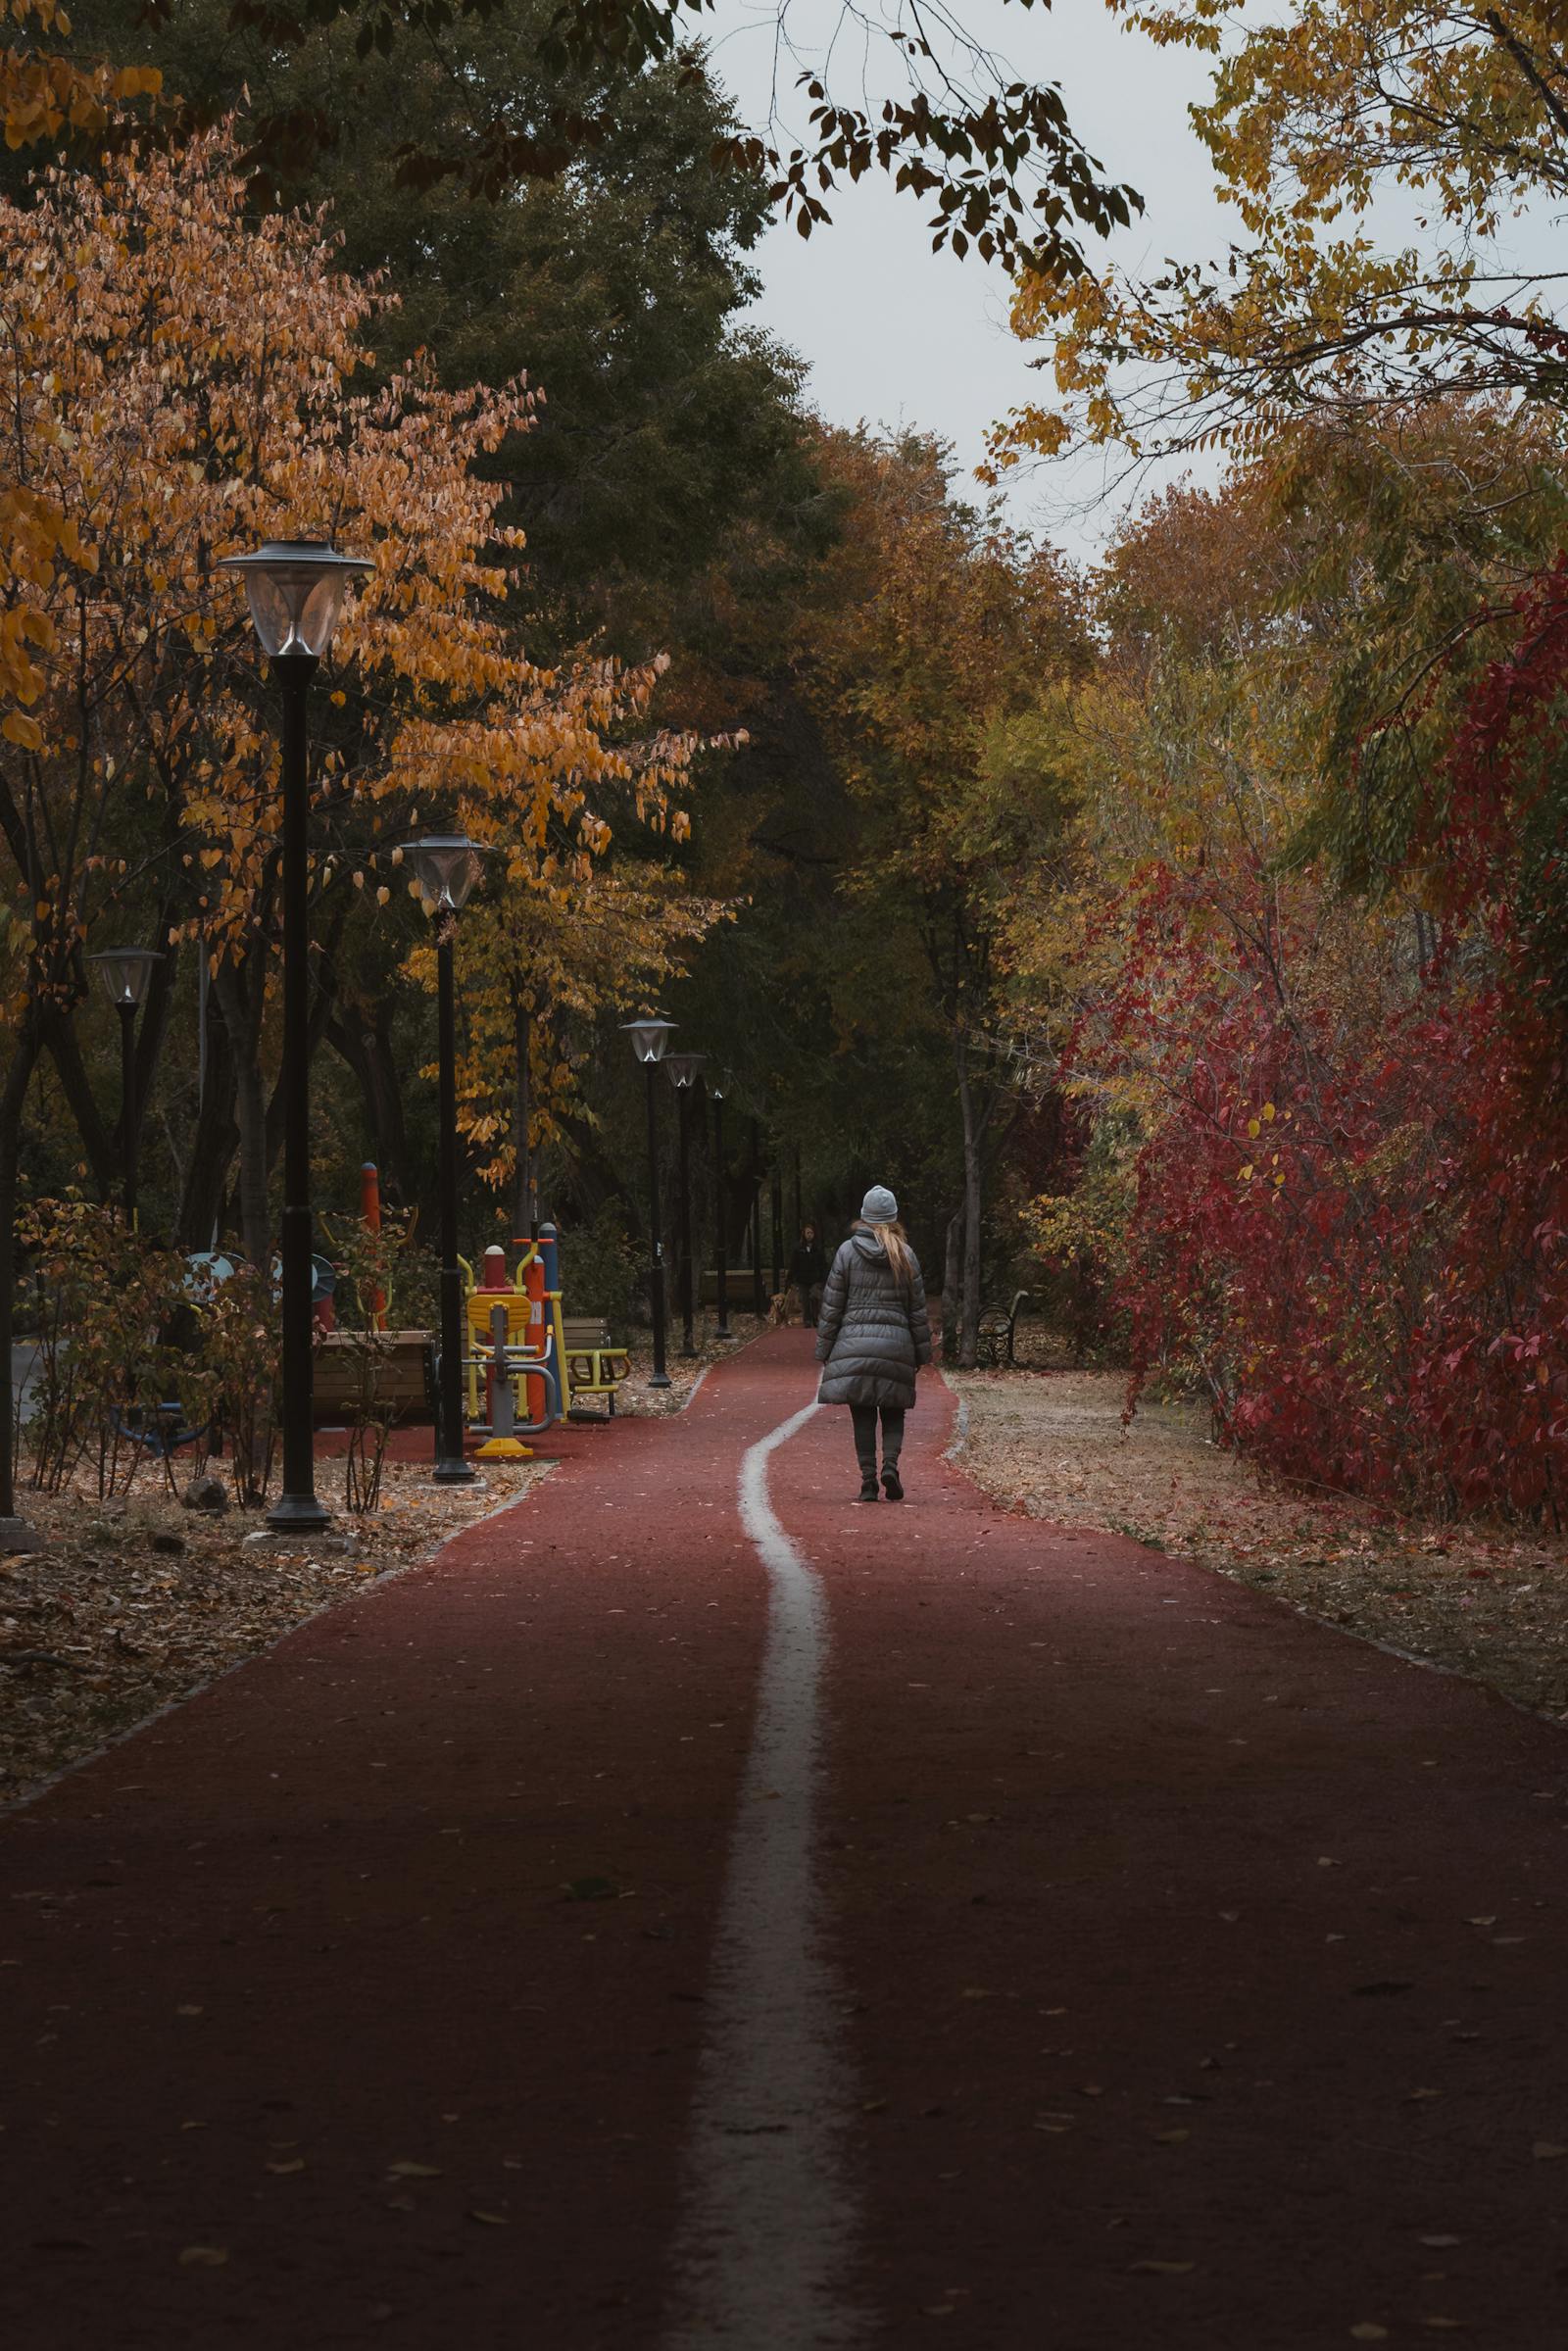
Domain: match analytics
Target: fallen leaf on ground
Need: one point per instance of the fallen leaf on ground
(414, 2170)
(202, 2257)
(1162, 2269)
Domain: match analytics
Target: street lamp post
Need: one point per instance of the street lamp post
(126, 974)
(648, 1041)
(759, 1301)
(296, 590)
(777, 1195)
(444, 868)
(684, 1069)
(721, 1257)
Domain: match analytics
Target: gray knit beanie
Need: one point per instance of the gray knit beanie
(879, 1206)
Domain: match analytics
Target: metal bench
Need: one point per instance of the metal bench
(998, 1330)
(593, 1367)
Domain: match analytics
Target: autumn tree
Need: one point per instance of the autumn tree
(669, 421)
(1325, 124)
(210, 365)
(947, 627)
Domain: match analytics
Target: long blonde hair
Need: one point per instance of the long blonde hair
(896, 1246)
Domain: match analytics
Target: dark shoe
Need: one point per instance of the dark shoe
(891, 1485)
(868, 1492)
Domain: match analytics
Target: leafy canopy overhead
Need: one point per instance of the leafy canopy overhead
(1330, 124)
(997, 156)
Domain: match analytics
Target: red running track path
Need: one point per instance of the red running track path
(1179, 1973)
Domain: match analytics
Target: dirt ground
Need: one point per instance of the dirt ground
(1486, 1601)
(134, 1601)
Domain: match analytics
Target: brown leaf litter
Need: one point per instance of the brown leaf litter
(1484, 1600)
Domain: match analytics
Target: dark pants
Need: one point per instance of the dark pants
(809, 1294)
(865, 1419)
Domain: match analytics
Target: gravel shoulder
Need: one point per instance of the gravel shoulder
(1486, 1601)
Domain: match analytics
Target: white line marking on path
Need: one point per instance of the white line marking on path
(768, 2220)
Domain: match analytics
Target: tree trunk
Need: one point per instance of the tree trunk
(950, 1279)
(12, 1103)
(213, 1146)
(250, 1110)
(359, 1036)
(153, 1028)
(58, 1034)
(969, 1296)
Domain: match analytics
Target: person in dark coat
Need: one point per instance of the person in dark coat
(807, 1273)
(872, 1337)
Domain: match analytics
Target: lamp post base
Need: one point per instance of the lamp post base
(297, 1514)
(455, 1473)
(658, 1379)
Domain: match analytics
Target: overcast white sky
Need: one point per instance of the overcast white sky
(896, 333)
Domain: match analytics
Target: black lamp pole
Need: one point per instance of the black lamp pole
(684, 1071)
(688, 1304)
(297, 1509)
(127, 1108)
(660, 1376)
(720, 1205)
(445, 867)
(296, 590)
(759, 1301)
(126, 974)
(452, 1467)
(649, 1037)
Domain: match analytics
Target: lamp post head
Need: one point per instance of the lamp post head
(684, 1069)
(445, 867)
(296, 589)
(126, 974)
(649, 1037)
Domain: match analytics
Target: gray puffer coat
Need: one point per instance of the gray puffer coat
(872, 1333)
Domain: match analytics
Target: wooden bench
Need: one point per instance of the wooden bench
(592, 1367)
(999, 1329)
(374, 1372)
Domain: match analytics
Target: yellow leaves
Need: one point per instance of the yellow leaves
(21, 730)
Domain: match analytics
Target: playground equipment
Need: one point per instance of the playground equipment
(513, 1325)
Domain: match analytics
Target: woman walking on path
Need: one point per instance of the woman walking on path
(872, 1337)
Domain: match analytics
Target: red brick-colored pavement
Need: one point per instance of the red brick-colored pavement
(1202, 1970)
